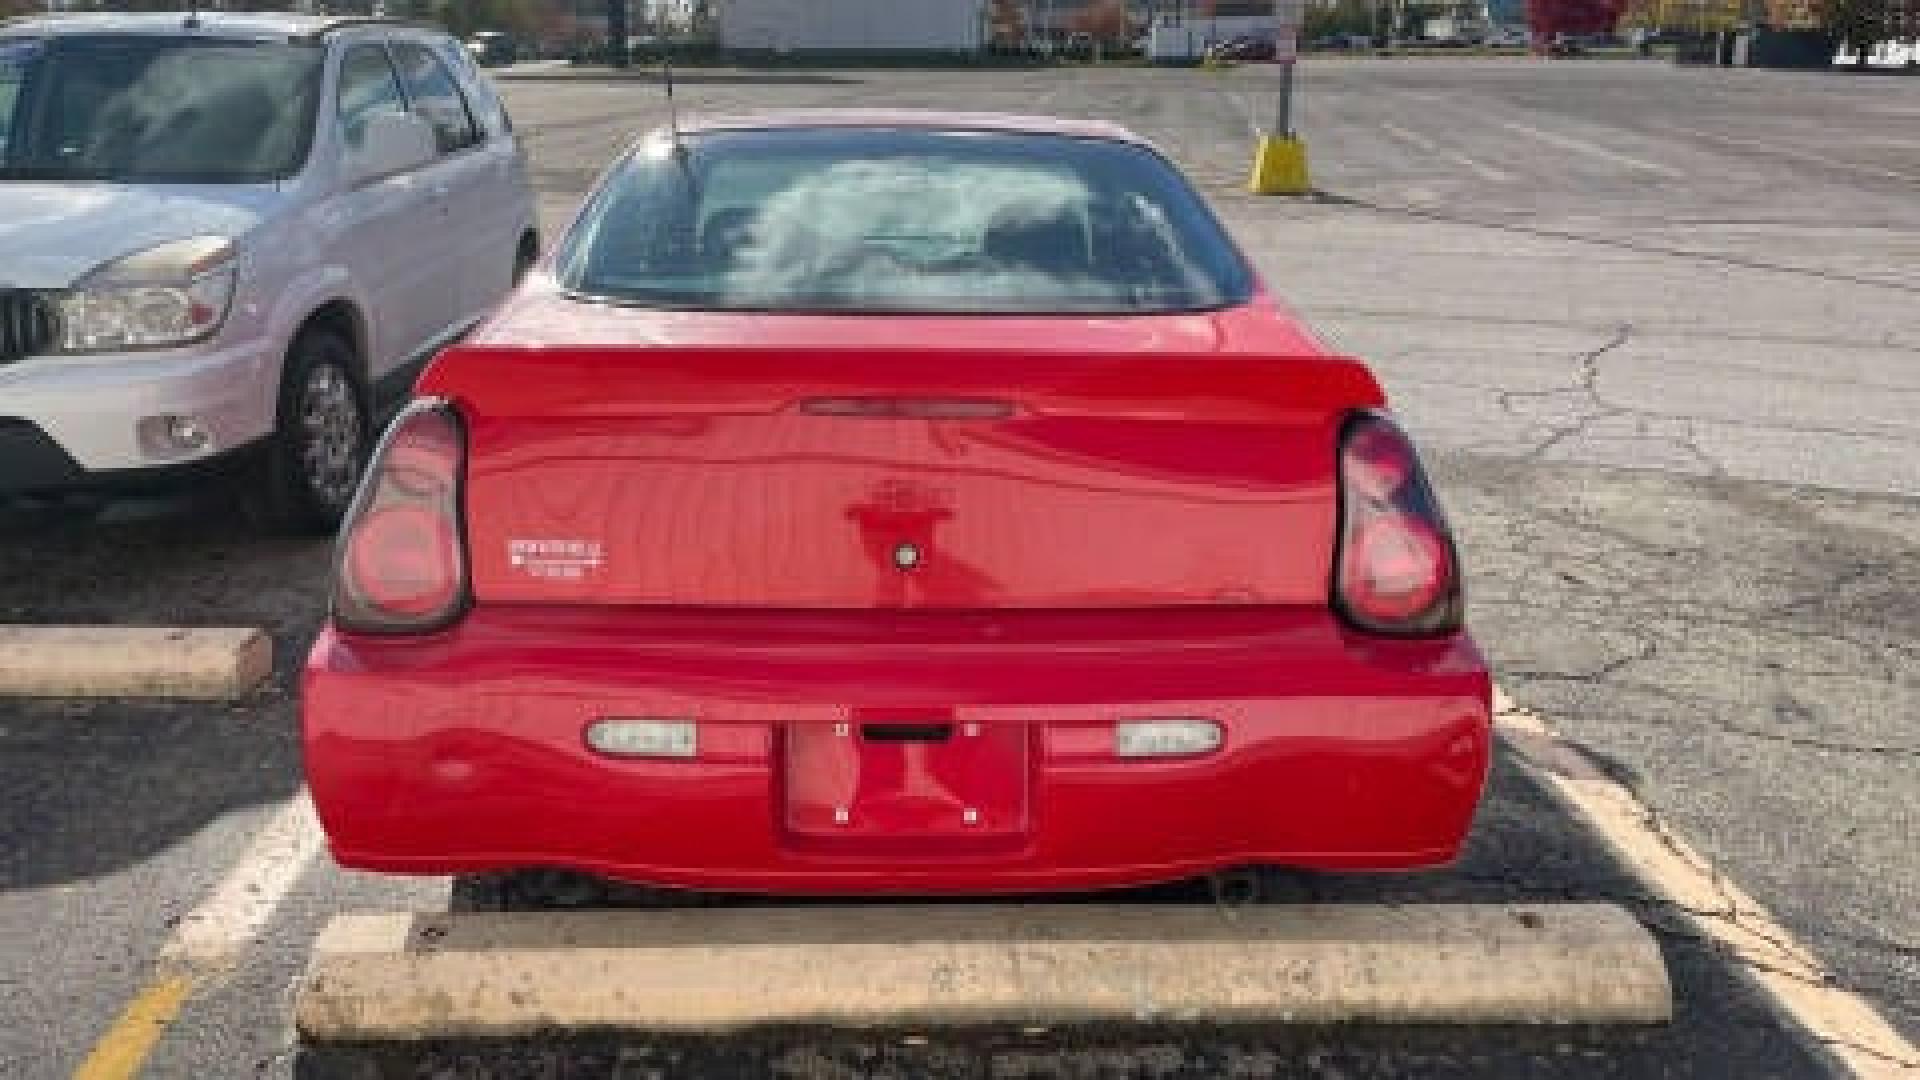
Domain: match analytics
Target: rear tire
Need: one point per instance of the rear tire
(1263, 885)
(322, 439)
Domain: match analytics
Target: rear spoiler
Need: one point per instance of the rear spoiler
(653, 380)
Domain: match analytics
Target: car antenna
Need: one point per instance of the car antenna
(679, 147)
(673, 109)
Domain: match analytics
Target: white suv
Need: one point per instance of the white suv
(225, 240)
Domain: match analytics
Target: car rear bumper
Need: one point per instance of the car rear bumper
(465, 751)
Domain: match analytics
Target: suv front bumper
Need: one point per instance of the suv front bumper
(73, 423)
(31, 463)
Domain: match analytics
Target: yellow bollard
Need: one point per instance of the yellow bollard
(1280, 167)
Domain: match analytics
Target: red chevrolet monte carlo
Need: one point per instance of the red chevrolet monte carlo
(873, 503)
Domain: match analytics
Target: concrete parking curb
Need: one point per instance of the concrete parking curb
(130, 661)
(409, 977)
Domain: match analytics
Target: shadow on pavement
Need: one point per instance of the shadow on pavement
(160, 563)
(91, 787)
(1525, 849)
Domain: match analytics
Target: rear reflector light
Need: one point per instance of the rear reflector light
(1396, 569)
(1396, 572)
(402, 560)
(1165, 738)
(644, 738)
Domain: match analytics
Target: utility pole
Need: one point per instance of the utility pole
(617, 33)
(1287, 17)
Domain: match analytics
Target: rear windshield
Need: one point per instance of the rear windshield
(153, 108)
(900, 221)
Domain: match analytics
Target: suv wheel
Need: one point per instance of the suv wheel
(321, 445)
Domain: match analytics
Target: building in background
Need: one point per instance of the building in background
(1507, 14)
(1212, 20)
(852, 26)
(671, 17)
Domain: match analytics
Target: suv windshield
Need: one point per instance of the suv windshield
(158, 109)
(824, 219)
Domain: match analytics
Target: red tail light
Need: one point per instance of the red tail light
(402, 559)
(1396, 572)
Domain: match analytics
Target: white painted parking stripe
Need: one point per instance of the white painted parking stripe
(1484, 171)
(1413, 137)
(1825, 161)
(213, 935)
(211, 939)
(1581, 146)
(1710, 904)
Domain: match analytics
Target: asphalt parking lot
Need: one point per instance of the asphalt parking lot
(1657, 329)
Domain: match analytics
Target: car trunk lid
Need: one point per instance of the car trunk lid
(960, 476)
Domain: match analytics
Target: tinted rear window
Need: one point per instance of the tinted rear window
(901, 220)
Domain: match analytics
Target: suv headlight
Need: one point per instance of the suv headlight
(166, 296)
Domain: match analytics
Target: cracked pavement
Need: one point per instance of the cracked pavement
(1742, 656)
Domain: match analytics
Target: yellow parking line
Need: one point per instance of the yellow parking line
(124, 1048)
(210, 940)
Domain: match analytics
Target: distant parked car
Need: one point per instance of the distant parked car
(234, 237)
(1247, 49)
(1644, 38)
(1566, 45)
(492, 48)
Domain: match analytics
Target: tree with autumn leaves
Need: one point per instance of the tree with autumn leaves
(1859, 25)
(1104, 20)
(1007, 23)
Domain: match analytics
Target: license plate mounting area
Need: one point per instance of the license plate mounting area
(884, 775)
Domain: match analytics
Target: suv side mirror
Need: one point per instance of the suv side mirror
(391, 143)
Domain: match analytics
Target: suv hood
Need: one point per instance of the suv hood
(53, 234)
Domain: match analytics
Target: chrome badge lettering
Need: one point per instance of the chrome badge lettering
(557, 560)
